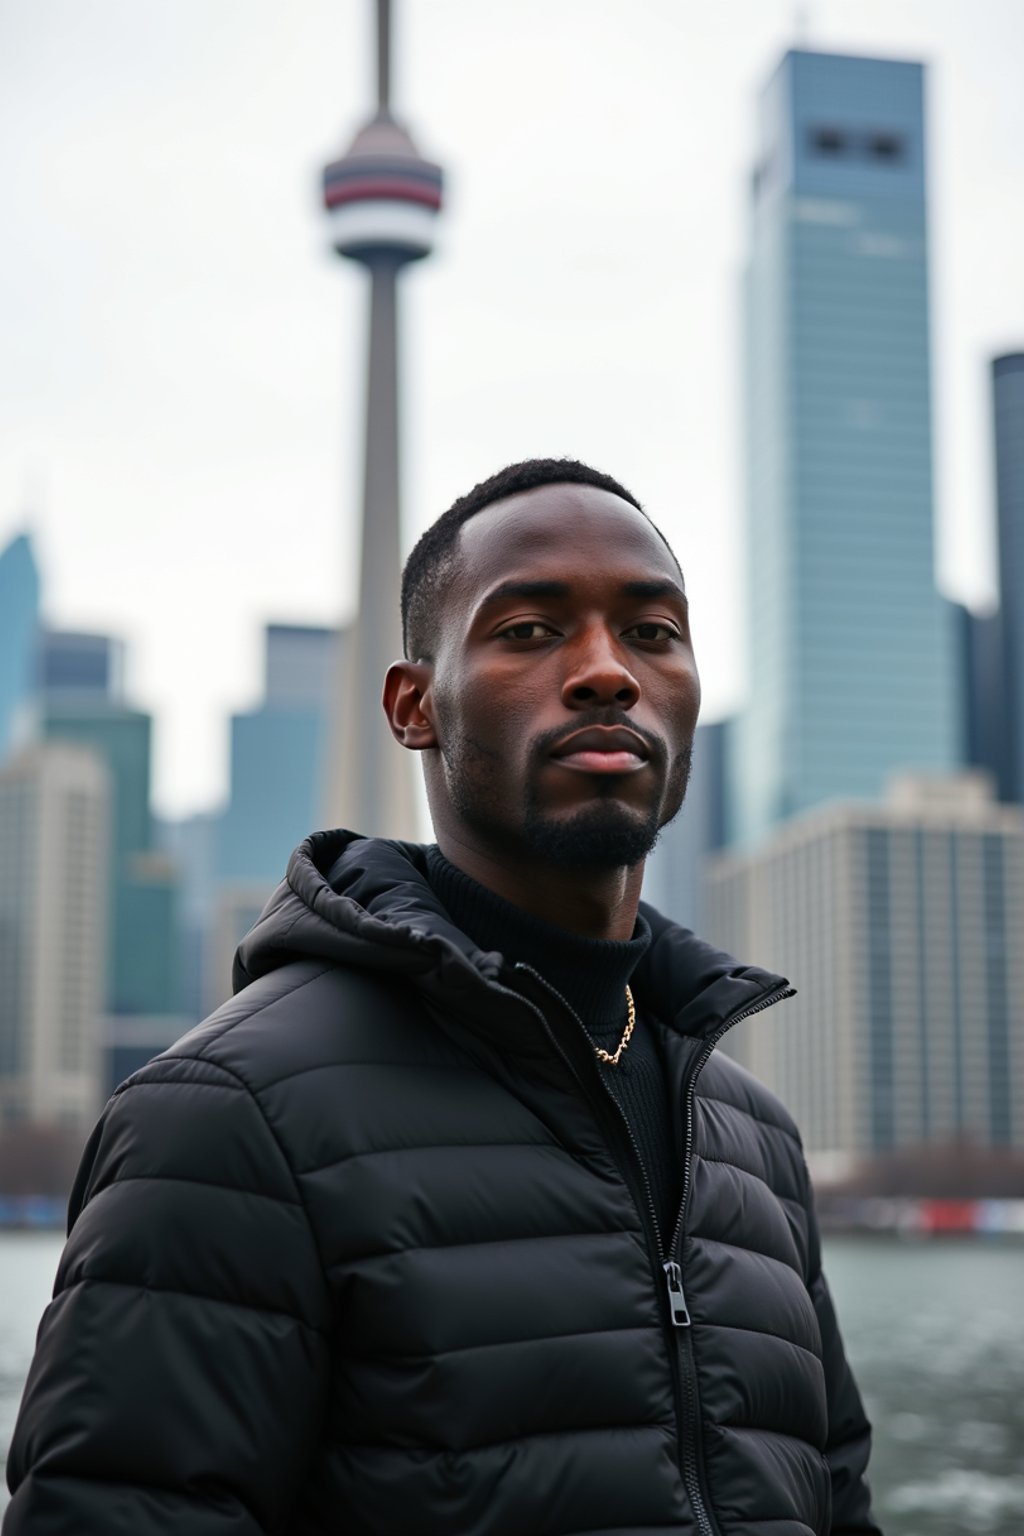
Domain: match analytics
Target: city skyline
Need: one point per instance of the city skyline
(173, 305)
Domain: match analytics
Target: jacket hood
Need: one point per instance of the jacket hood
(366, 902)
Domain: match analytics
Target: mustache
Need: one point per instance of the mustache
(544, 744)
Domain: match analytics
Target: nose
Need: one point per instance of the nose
(598, 674)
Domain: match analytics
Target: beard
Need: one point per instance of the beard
(597, 837)
(603, 835)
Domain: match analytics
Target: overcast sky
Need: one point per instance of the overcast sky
(181, 360)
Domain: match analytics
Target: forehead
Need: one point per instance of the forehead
(568, 529)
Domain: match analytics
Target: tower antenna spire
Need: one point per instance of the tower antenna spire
(383, 58)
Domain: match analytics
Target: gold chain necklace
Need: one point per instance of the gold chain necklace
(607, 1056)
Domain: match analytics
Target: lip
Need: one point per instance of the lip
(602, 749)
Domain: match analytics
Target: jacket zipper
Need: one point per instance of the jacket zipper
(685, 1383)
(678, 1310)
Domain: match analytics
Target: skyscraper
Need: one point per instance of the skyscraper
(73, 662)
(19, 621)
(277, 757)
(1008, 413)
(382, 198)
(674, 874)
(143, 971)
(852, 669)
(54, 858)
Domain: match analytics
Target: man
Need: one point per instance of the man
(453, 1222)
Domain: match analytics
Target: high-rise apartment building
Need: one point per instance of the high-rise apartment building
(852, 671)
(54, 858)
(900, 925)
(19, 623)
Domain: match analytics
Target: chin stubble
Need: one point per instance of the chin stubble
(603, 835)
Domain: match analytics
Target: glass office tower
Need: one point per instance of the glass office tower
(852, 671)
(19, 624)
(77, 663)
(277, 757)
(1008, 405)
(143, 969)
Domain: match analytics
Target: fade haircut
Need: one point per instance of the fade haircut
(430, 567)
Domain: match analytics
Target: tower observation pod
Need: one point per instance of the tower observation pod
(382, 199)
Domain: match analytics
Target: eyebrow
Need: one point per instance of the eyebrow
(646, 589)
(660, 588)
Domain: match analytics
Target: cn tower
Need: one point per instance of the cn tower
(381, 198)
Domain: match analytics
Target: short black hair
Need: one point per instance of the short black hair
(429, 567)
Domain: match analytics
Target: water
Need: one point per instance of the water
(933, 1331)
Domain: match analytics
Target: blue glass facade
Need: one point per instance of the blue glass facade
(144, 963)
(853, 670)
(985, 731)
(19, 620)
(674, 873)
(122, 737)
(72, 662)
(277, 758)
(1008, 403)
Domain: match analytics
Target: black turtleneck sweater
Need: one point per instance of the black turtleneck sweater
(591, 975)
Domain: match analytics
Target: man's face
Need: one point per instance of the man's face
(564, 690)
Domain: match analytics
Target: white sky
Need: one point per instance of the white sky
(181, 361)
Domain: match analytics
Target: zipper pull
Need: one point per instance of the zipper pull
(676, 1299)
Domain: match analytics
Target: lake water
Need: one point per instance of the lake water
(934, 1331)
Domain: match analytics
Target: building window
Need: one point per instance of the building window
(891, 147)
(828, 141)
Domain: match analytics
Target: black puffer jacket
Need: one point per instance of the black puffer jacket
(370, 1252)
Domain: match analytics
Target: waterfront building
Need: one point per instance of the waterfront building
(54, 873)
(19, 624)
(852, 670)
(382, 198)
(278, 753)
(674, 872)
(900, 925)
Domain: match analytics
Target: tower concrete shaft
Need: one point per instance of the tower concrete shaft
(381, 198)
(372, 786)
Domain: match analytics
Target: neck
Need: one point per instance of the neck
(597, 904)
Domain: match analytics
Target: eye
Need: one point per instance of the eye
(526, 629)
(652, 629)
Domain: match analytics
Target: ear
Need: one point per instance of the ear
(407, 704)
